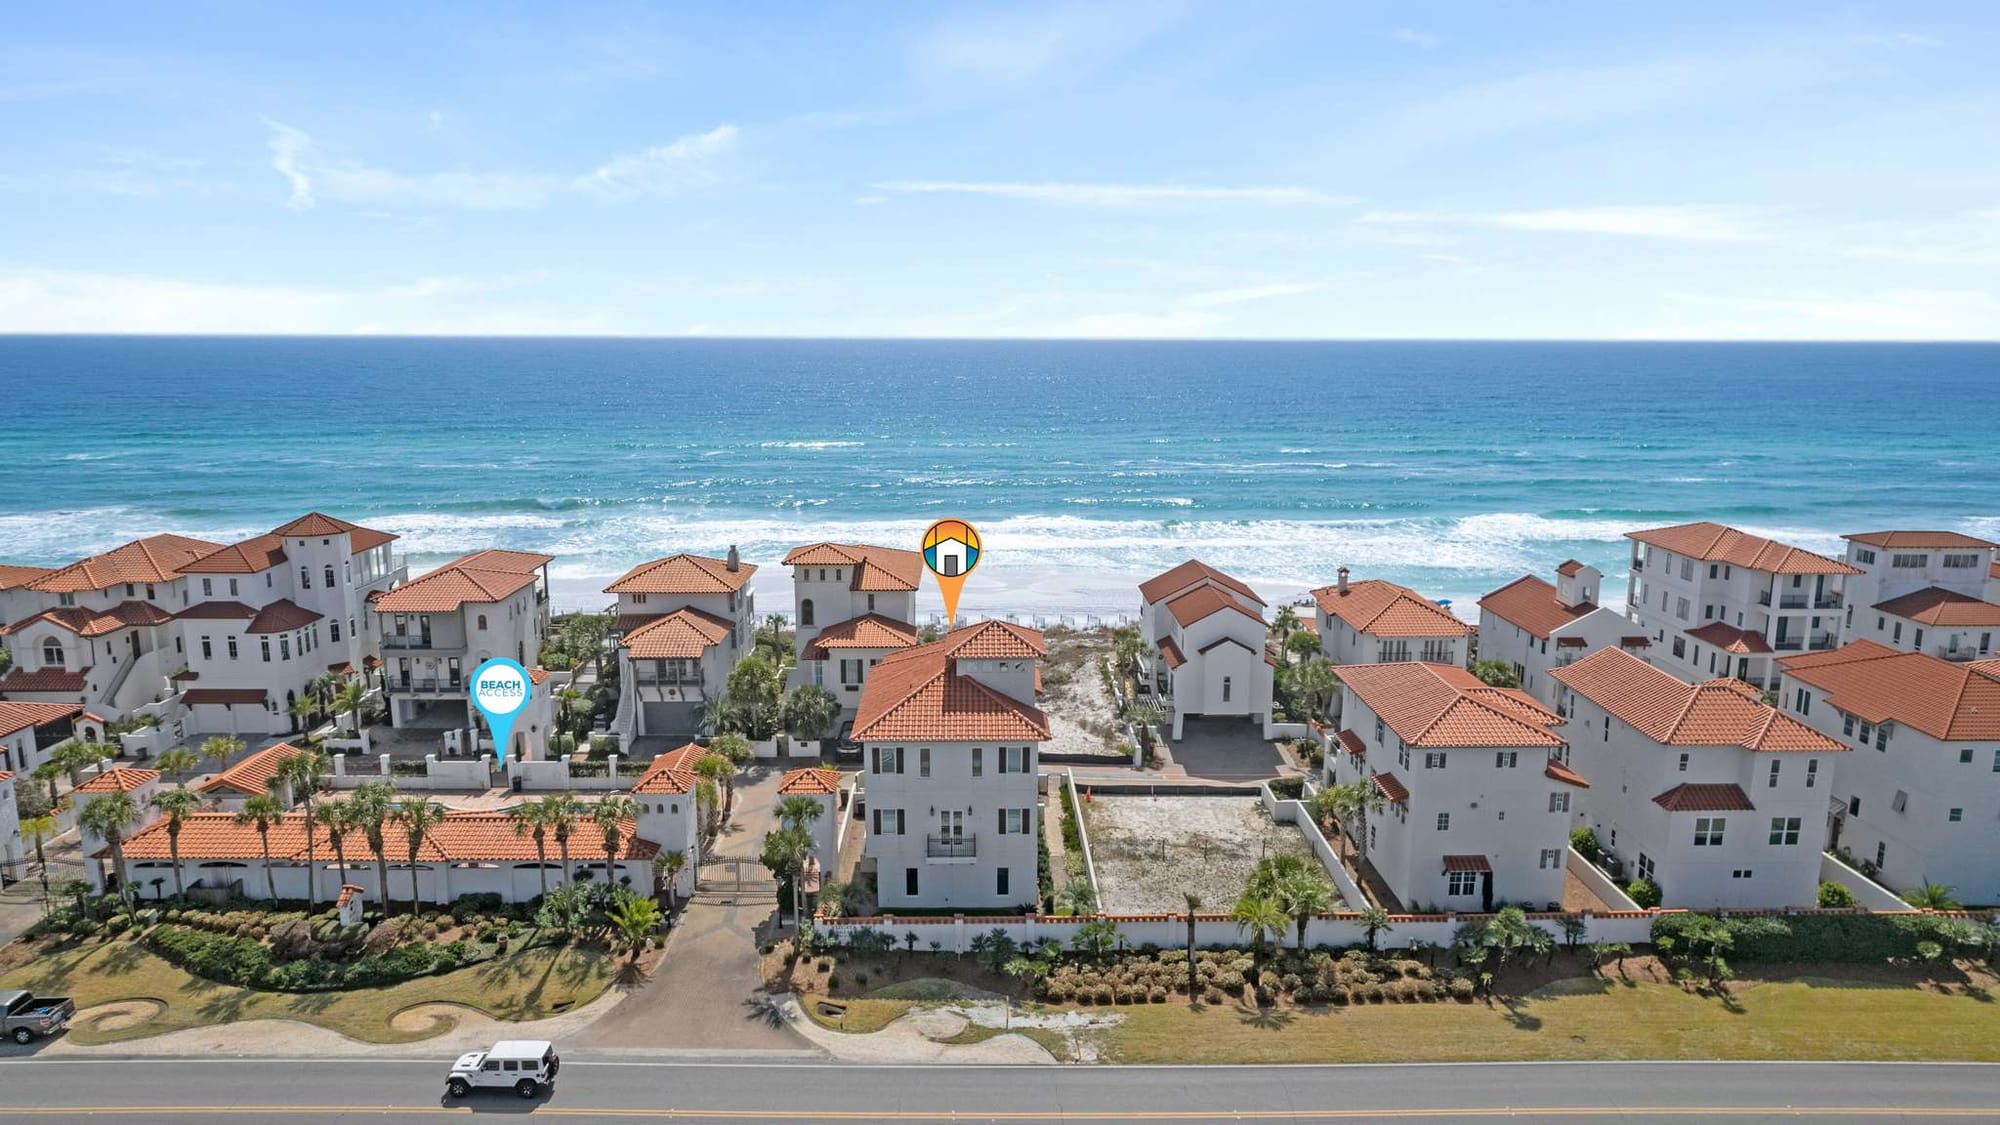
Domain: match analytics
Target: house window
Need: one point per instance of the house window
(305, 578)
(208, 587)
(1461, 883)
(1812, 772)
(232, 648)
(1955, 815)
(806, 612)
(910, 881)
(1882, 738)
(1378, 732)
(888, 759)
(52, 653)
(1867, 732)
(1506, 759)
(1774, 773)
(1684, 762)
(1740, 873)
(999, 876)
(978, 760)
(232, 587)
(1909, 562)
(329, 578)
(1402, 754)
(924, 761)
(1551, 858)
(1862, 555)
(888, 822)
(1784, 830)
(335, 626)
(1960, 562)
(1558, 802)
(1681, 608)
(207, 650)
(1645, 867)
(1708, 831)
(1225, 689)
(1434, 760)
(1802, 701)
(265, 642)
(1996, 761)
(1881, 855)
(871, 609)
(1444, 822)
(1965, 756)
(284, 648)
(1847, 726)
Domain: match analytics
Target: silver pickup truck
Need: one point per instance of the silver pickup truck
(25, 1017)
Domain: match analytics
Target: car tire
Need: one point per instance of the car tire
(23, 1036)
(526, 1087)
(457, 1088)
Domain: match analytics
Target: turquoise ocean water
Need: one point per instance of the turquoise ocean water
(1452, 467)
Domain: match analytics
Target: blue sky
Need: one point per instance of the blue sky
(1606, 170)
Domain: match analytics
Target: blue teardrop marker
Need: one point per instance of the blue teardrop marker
(501, 690)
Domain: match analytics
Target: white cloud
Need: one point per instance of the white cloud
(1687, 222)
(661, 170)
(1115, 195)
(1217, 297)
(1022, 43)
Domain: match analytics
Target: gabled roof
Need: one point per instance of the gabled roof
(251, 556)
(488, 837)
(1729, 638)
(812, 780)
(156, 558)
(17, 717)
(876, 569)
(44, 680)
(1384, 609)
(319, 523)
(917, 694)
(1188, 574)
(483, 576)
(1673, 712)
(217, 611)
(96, 622)
(513, 562)
(870, 630)
(118, 779)
(282, 616)
(683, 634)
(251, 776)
(1939, 606)
(1952, 702)
(1726, 797)
(683, 574)
(1437, 705)
(1203, 602)
(1712, 542)
(1530, 603)
(671, 772)
(1898, 539)
(12, 576)
(994, 640)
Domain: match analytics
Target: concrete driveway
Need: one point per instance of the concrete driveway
(1225, 749)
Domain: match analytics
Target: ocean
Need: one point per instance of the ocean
(1452, 467)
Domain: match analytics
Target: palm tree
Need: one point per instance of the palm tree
(417, 819)
(178, 762)
(334, 817)
(671, 865)
(1193, 904)
(734, 749)
(1078, 899)
(300, 771)
(798, 811)
(264, 810)
(785, 852)
(368, 810)
(810, 712)
(109, 816)
(220, 748)
(1285, 624)
(531, 818)
(718, 771)
(1260, 916)
(562, 811)
(1932, 896)
(611, 814)
(302, 711)
(1317, 680)
(46, 773)
(348, 700)
(39, 829)
(1374, 922)
(1355, 801)
(1301, 893)
(73, 757)
(176, 805)
(634, 916)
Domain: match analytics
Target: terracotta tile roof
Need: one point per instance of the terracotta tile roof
(1635, 642)
(994, 640)
(871, 630)
(12, 576)
(1705, 798)
(217, 611)
(1993, 571)
(1466, 863)
(1206, 601)
(1436, 705)
(918, 695)
(814, 780)
(96, 622)
(118, 779)
(1171, 653)
(252, 556)
(347, 893)
(683, 574)
(1517, 703)
(318, 523)
(1395, 791)
(1568, 567)
(487, 837)
(1951, 702)
(1189, 574)
(876, 569)
(671, 772)
(1672, 712)
(17, 717)
(44, 680)
(6, 775)
(1939, 606)
(1712, 542)
(484, 577)
(251, 776)
(1729, 638)
(232, 696)
(1531, 603)
(156, 558)
(282, 616)
(1353, 743)
(1384, 609)
(684, 634)
(1556, 771)
(511, 562)
(1895, 539)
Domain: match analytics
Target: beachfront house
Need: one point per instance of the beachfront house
(1204, 653)
(437, 629)
(1919, 798)
(1716, 798)
(1475, 792)
(28, 731)
(1534, 626)
(1721, 602)
(1922, 591)
(683, 622)
(853, 604)
(950, 733)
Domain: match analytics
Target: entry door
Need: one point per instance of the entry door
(951, 826)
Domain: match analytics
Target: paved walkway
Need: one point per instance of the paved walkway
(708, 992)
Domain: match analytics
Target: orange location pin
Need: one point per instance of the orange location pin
(951, 550)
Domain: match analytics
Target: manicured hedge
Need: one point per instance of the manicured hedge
(248, 963)
(1860, 938)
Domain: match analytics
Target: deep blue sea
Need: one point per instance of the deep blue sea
(1452, 467)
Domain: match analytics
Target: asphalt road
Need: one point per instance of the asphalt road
(599, 1087)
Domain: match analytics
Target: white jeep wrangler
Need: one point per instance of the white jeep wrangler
(525, 1066)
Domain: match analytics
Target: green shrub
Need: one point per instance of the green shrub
(1645, 892)
(217, 957)
(1853, 938)
(1584, 840)
(1835, 895)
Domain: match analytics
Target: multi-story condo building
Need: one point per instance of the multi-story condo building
(1205, 651)
(950, 735)
(1537, 627)
(1922, 591)
(1700, 788)
(683, 622)
(853, 604)
(437, 629)
(1719, 602)
(1919, 798)
(1477, 795)
(1993, 583)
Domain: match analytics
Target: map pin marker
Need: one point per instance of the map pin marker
(951, 550)
(501, 691)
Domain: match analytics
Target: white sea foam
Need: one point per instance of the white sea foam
(810, 444)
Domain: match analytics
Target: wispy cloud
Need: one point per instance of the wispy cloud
(1017, 44)
(1214, 298)
(1686, 222)
(661, 170)
(1115, 195)
(1414, 38)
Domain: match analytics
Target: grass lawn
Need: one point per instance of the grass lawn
(862, 1015)
(1804, 1017)
(531, 984)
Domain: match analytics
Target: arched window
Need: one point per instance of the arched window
(305, 577)
(52, 653)
(482, 621)
(806, 612)
(329, 576)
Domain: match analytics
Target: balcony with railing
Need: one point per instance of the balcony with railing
(946, 848)
(410, 641)
(424, 685)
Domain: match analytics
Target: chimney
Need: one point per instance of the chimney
(1340, 583)
(735, 562)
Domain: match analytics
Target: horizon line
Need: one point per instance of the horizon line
(764, 338)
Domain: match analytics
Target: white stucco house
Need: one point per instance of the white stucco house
(437, 629)
(1477, 796)
(683, 622)
(1922, 591)
(15, 851)
(1919, 797)
(1377, 622)
(950, 733)
(1701, 788)
(1205, 652)
(853, 604)
(1536, 626)
(29, 730)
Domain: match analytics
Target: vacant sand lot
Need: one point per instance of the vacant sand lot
(1150, 851)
